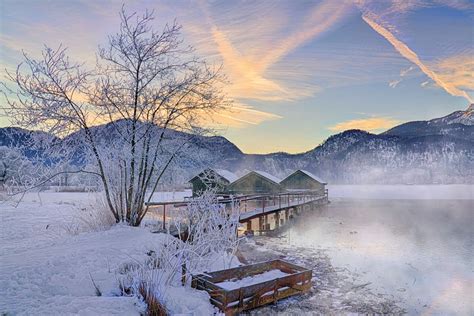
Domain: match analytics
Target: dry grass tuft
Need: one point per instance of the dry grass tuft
(155, 308)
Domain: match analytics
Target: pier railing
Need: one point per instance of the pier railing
(249, 206)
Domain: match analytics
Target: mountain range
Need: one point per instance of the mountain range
(440, 150)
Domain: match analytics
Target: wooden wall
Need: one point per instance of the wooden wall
(301, 181)
(254, 183)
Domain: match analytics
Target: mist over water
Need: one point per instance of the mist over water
(416, 247)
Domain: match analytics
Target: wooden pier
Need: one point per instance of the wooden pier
(257, 211)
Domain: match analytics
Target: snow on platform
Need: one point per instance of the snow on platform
(251, 280)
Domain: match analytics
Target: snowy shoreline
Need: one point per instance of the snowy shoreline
(402, 192)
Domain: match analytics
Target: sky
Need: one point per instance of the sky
(299, 71)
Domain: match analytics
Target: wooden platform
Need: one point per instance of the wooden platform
(294, 280)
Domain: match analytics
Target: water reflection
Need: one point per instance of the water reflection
(419, 250)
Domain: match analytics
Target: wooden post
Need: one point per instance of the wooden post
(277, 219)
(260, 223)
(275, 292)
(263, 205)
(287, 214)
(164, 216)
(249, 225)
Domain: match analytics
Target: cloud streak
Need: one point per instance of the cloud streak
(409, 54)
(242, 115)
(371, 124)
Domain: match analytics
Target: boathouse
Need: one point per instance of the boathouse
(217, 179)
(255, 182)
(303, 180)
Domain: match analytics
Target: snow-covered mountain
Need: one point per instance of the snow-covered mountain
(462, 117)
(457, 124)
(435, 151)
(440, 150)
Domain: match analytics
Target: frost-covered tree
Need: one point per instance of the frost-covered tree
(146, 86)
(207, 230)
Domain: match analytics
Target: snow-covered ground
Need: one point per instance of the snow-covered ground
(171, 196)
(47, 264)
(49, 255)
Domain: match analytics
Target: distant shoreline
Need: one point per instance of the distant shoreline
(403, 191)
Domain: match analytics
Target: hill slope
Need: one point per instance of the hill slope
(436, 151)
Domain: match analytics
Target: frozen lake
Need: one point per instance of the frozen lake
(418, 246)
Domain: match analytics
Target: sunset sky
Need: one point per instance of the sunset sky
(300, 71)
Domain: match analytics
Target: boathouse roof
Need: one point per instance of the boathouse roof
(225, 174)
(307, 173)
(268, 176)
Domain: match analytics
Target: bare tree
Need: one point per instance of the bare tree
(147, 86)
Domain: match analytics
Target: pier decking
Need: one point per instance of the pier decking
(271, 209)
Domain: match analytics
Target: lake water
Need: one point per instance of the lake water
(420, 250)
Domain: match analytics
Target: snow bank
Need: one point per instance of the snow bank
(45, 271)
(57, 277)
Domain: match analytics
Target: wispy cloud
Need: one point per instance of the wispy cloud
(242, 115)
(405, 72)
(394, 83)
(320, 19)
(246, 80)
(457, 70)
(425, 83)
(400, 7)
(405, 51)
(371, 124)
(248, 65)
